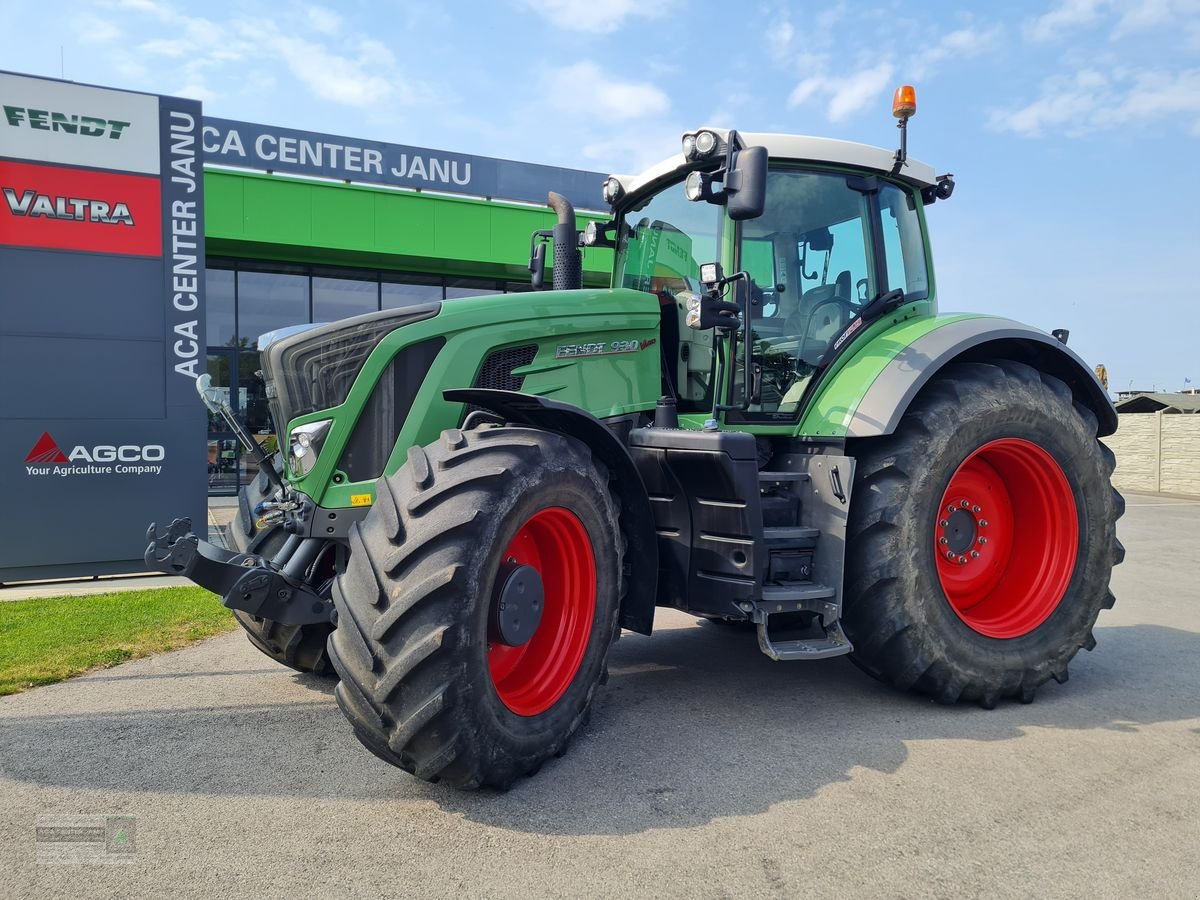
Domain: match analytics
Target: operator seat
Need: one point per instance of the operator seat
(815, 335)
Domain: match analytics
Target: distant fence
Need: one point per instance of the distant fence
(1157, 452)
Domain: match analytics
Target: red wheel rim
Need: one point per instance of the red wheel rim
(531, 678)
(1006, 538)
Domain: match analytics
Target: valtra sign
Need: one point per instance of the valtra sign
(102, 332)
(72, 209)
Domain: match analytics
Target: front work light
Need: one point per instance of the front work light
(698, 145)
(304, 445)
(613, 189)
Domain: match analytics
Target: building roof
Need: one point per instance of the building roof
(1153, 402)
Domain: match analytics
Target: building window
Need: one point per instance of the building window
(270, 300)
(470, 287)
(408, 290)
(221, 308)
(338, 295)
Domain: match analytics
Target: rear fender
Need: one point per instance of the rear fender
(888, 396)
(636, 518)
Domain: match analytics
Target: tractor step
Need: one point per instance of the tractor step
(835, 643)
(793, 597)
(795, 537)
(781, 477)
(798, 597)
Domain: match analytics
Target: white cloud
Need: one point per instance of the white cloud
(324, 20)
(1065, 15)
(1131, 16)
(1091, 101)
(964, 43)
(844, 96)
(314, 47)
(330, 75)
(1153, 13)
(95, 30)
(587, 90)
(779, 38)
(596, 17)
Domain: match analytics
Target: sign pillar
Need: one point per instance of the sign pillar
(102, 283)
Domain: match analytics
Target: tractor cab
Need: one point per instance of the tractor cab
(832, 237)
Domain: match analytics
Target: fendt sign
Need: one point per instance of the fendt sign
(101, 249)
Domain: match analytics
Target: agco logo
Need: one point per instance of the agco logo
(47, 458)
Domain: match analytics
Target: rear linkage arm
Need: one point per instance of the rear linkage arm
(244, 581)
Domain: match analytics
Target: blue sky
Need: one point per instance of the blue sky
(1071, 125)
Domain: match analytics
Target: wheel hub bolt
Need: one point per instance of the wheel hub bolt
(950, 508)
(974, 554)
(983, 523)
(945, 522)
(943, 540)
(962, 560)
(964, 504)
(949, 554)
(983, 540)
(977, 509)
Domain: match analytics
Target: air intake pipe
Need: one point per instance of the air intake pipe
(568, 262)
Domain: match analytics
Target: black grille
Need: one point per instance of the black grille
(379, 425)
(497, 370)
(315, 369)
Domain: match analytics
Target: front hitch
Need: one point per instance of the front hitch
(244, 581)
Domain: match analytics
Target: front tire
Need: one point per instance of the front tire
(982, 537)
(299, 647)
(436, 677)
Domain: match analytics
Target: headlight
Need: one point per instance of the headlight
(693, 187)
(305, 443)
(613, 189)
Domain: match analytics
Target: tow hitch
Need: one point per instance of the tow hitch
(273, 589)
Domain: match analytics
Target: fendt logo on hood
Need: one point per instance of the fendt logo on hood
(48, 458)
(75, 209)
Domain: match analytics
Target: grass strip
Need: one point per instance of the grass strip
(44, 640)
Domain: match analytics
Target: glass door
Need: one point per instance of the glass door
(223, 449)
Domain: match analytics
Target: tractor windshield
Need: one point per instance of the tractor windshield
(666, 239)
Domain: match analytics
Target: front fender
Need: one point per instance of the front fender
(870, 394)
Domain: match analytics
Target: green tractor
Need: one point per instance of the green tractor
(764, 421)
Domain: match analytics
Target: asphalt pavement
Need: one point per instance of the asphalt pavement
(707, 771)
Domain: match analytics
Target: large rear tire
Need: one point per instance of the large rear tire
(299, 647)
(437, 676)
(981, 537)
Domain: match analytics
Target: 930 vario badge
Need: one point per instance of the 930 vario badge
(601, 348)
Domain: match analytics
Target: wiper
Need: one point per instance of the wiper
(883, 303)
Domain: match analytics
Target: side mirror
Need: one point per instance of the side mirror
(537, 259)
(746, 183)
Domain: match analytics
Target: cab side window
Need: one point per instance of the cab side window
(904, 250)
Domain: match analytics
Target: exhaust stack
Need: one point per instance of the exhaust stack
(568, 261)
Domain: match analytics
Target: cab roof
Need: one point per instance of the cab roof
(798, 147)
